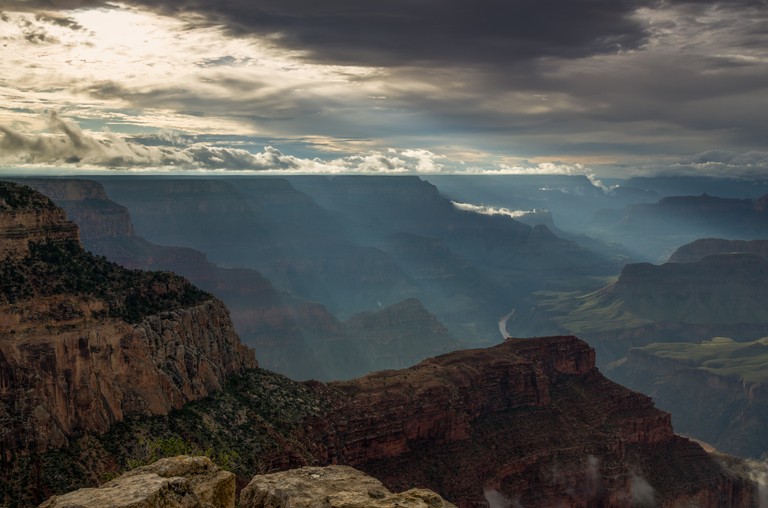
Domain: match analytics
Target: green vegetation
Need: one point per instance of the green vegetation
(260, 422)
(721, 355)
(580, 313)
(65, 268)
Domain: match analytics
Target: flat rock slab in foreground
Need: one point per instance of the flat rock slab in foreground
(331, 487)
(177, 482)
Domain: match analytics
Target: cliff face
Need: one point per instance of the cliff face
(28, 217)
(531, 421)
(85, 343)
(295, 337)
(698, 250)
(719, 289)
(527, 421)
(85, 203)
(716, 390)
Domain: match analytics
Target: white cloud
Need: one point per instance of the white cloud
(492, 210)
(63, 142)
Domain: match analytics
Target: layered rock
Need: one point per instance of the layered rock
(177, 482)
(87, 204)
(698, 250)
(85, 343)
(499, 419)
(529, 421)
(28, 217)
(295, 337)
(331, 487)
(715, 390)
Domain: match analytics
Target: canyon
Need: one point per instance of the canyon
(107, 368)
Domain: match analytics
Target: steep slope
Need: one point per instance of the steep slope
(530, 421)
(85, 343)
(715, 389)
(294, 337)
(720, 295)
(264, 224)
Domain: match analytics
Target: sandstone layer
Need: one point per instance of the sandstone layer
(532, 421)
(331, 487)
(528, 421)
(28, 217)
(85, 343)
(177, 482)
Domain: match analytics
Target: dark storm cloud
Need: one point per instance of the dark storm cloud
(403, 32)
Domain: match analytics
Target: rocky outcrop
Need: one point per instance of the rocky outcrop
(698, 250)
(85, 343)
(530, 421)
(85, 203)
(331, 487)
(177, 482)
(719, 289)
(62, 378)
(28, 217)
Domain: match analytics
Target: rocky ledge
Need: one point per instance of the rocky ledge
(176, 482)
(331, 487)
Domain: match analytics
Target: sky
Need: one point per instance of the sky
(604, 87)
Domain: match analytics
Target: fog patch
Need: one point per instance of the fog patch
(641, 492)
(758, 473)
(498, 500)
(593, 478)
(503, 324)
(492, 210)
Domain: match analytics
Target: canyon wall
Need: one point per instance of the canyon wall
(85, 343)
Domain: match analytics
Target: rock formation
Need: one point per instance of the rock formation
(531, 420)
(716, 390)
(176, 482)
(28, 217)
(331, 487)
(85, 343)
(720, 295)
(87, 204)
(295, 337)
(698, 250)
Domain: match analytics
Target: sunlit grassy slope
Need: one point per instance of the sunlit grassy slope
(721, 355)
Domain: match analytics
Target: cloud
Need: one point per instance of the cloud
(491, 210)
(638, 84)
(64, 142)
(404, 32)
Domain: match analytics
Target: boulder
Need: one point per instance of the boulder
(183, 482)
(331, 487)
